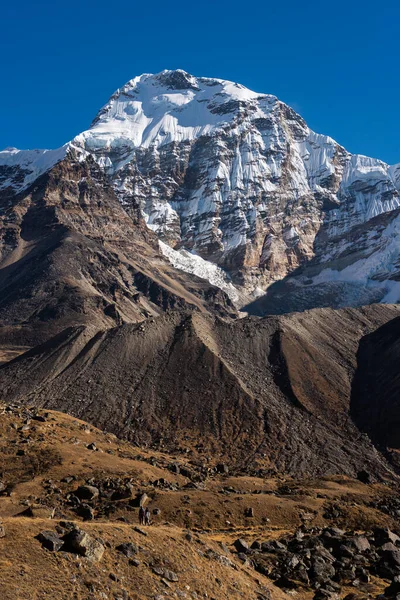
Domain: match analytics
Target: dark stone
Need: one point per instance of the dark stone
(241, 545)
(87, 492)
(382, 536)
(321, 570)
(393, 589)
(40, 418)
(122, 493)
(50, 540)
(286, 583)
(134, 562)
(256, 545)
(166, 573)
(174, 468)
(272, 546)
(170, 575)
(85, 511)
(364, 477)
(222, 468)
(128, 549)
(323, 594)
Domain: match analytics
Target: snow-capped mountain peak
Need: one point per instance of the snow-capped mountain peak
(228, 175)
(172, 106)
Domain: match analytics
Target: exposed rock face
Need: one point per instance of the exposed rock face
(239, 179)
(277, 390)
(70, 254)
(236, 176)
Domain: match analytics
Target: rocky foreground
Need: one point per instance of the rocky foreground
(69, 502)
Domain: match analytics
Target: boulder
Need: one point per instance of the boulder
(87, 492)
(134, 562)
(241, 545)
(388, 547)
(256, 545)
(40, 418)
(166, 573)
(128, 549)
(384, 535)
(273, 546)
(170, 575)
(364, 477)
(139, 500)
(174, 468)
(50, 540)
(85, 511)
(122, 493)
(321, 570)
(80, 542)
(222, 468)
(323, 594)
(393, 589)
(68, 479)
(37, 511)
(358, 542)
(392, 557)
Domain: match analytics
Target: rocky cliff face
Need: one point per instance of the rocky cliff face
(236, 178)
(70, 254)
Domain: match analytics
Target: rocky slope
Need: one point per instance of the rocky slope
(69, 502)
(238, 179)
(277, 394)
(70, 254)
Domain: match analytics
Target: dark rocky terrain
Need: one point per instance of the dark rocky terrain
(69, 528)
(281, 394)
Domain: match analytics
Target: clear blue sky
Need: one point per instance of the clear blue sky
(337, 63)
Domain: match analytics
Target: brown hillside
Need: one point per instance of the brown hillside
(269, 394)
(70, 255)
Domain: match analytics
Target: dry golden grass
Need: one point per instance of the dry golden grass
(205, 565)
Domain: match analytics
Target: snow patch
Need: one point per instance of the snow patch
(25, 166)
(195, 265)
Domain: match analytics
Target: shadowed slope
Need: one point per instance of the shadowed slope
(375, 394)
(274, 392)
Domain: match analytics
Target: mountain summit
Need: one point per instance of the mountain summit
(240, 191)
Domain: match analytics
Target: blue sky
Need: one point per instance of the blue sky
(337, 63)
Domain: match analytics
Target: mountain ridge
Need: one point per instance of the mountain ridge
(281, 392)
(234, 180)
